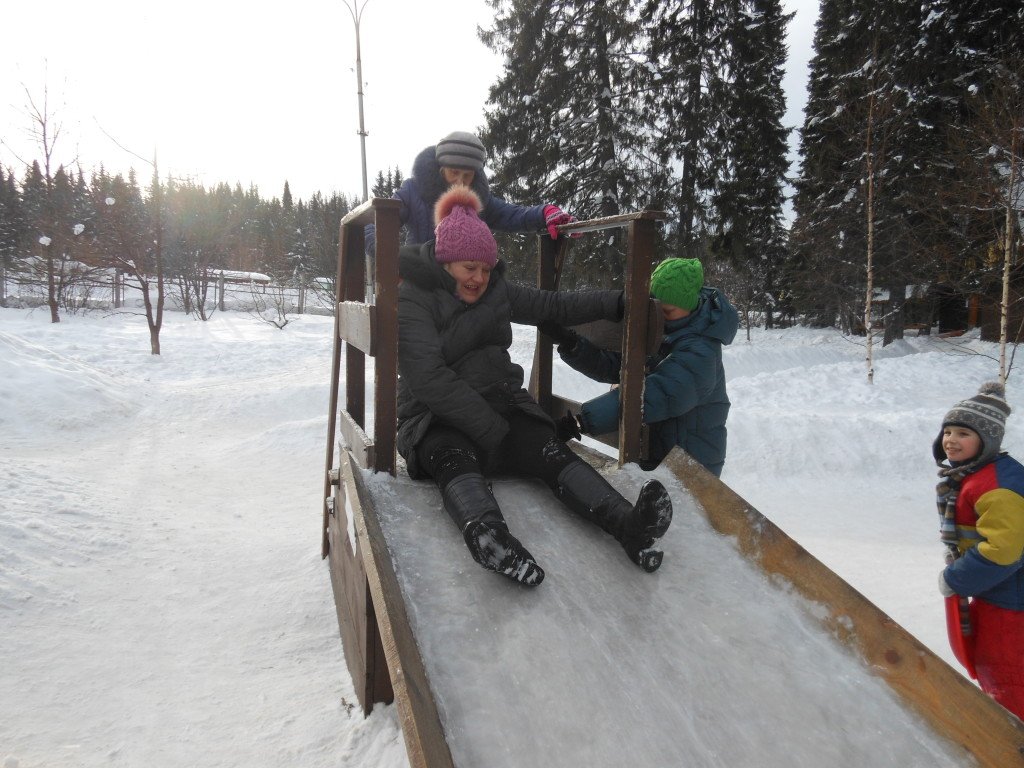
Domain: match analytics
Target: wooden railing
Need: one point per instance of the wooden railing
(640, 332)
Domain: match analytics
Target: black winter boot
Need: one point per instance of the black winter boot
(585, 491)
(472, 506)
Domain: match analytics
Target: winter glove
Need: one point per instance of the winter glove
(622, 306)
(564, 337)
(555, 217)
(567, 427)
(944, 588)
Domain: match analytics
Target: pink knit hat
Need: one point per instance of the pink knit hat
(460, 235)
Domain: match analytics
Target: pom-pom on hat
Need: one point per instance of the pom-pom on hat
(986, 414)
(461, 149)
(678, 282)
(460, 235)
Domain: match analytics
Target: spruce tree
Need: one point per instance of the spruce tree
(562, 124)
(686, 97)
(749, 193)
(12, 227)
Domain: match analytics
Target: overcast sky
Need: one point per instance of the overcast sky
(230, 91)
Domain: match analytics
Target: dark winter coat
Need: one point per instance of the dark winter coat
(453, 358)
(421, 191)
(685, 402)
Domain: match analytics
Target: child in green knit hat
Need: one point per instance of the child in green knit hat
(685, 401)
(676, 283)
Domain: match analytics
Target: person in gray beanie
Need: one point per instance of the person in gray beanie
(981, 511)
(985, 415)
(459, 158)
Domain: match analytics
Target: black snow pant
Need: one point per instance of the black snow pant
(530, 448)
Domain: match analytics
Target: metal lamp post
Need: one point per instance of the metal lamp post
(357, 14)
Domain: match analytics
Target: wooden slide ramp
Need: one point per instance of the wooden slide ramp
(742, 650)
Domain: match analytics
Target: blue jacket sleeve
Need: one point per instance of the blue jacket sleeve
(676, 386)
(600, 415)
(507, 217)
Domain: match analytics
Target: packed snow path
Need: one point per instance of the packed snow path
(705, 663)
(162, 597)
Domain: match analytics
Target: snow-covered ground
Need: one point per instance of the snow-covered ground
(162, 597)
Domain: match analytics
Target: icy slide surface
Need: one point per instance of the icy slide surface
(705, 663)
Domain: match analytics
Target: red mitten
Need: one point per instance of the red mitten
(555, 217)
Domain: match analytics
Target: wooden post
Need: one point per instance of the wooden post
(640, 253)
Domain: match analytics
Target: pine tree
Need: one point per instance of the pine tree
(685, 97)
(12, 228)
(382, 186)
(562, 122)
(829, 235)
(749, 195)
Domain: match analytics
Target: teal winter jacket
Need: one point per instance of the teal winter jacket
(685, 401)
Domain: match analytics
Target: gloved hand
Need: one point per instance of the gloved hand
(559, 334)
(567, 427)
(944, 588)
(554, 217)
(622, 305)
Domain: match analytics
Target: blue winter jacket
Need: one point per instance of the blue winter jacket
(685, 402)
(421, 191)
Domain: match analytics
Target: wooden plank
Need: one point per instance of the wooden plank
(610, 222)
(356, 619)
(356, 324)
(364, 213)
(954, 706)
(421, 724)
(356, 440)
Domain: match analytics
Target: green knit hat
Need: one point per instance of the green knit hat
(678, 282)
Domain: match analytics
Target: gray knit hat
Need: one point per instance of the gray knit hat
(460, 149)
(986, 414)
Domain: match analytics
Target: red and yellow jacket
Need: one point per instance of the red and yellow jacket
(990, 529)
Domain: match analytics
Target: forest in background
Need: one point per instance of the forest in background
(908, 184)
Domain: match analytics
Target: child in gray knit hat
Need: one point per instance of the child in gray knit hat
(981, 508)
(459, 158)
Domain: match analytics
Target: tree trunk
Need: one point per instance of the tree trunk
(1008, 228)
(870, 274)
(51, 288)
(894, 314)
(686, 244)
(606, 158)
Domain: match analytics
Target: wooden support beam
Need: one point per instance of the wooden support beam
(421, 723)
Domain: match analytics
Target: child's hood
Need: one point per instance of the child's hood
(714, 318)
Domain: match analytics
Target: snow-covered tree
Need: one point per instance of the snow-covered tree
(562, 121)
(749, 194)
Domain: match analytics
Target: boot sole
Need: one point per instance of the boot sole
(498, 550)
(656, 509)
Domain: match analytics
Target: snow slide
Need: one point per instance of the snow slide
(721, 658)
